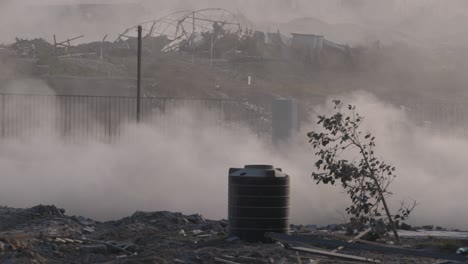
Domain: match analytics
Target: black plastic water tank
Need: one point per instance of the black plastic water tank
(258, 202)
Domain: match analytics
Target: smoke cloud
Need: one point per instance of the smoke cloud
(183, 166)
(430, 167)
(180, 166)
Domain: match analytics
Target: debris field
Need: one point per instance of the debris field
(45, 234)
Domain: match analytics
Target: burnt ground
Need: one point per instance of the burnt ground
(45, 234)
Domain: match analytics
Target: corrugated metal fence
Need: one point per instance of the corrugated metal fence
(103, 117)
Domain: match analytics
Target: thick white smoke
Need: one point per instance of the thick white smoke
(430, 168)
(180, 166)
(183, 167)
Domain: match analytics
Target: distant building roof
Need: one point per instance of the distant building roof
(306, 35)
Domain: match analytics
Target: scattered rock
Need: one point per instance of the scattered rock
(428, 227)
(232, 239)
(405, 226)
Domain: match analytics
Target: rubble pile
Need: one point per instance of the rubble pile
(33, 48)
(45, 234)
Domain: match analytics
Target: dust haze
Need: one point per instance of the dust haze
(184, 167)
(422, 23)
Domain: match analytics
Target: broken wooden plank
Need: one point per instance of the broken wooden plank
(111, 246)
(247, 258)
(364, 247)
(361, 235)
(334, 254)
(69, 40)
(358, 237)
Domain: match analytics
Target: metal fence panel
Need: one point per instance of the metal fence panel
(103, 117)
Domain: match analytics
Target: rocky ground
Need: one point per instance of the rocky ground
(45, 234)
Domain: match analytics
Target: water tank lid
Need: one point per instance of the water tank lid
(260, 167)
(258, 171)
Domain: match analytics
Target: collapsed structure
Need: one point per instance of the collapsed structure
(186, 30)
(218, 34)
(212, 33)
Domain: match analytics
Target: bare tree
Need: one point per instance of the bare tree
(365, 178)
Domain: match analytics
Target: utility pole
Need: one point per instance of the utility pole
(211, 50)
(55, 46)
(139, 73)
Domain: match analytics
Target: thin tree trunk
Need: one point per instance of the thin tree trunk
(389, 216)
(381, 193)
